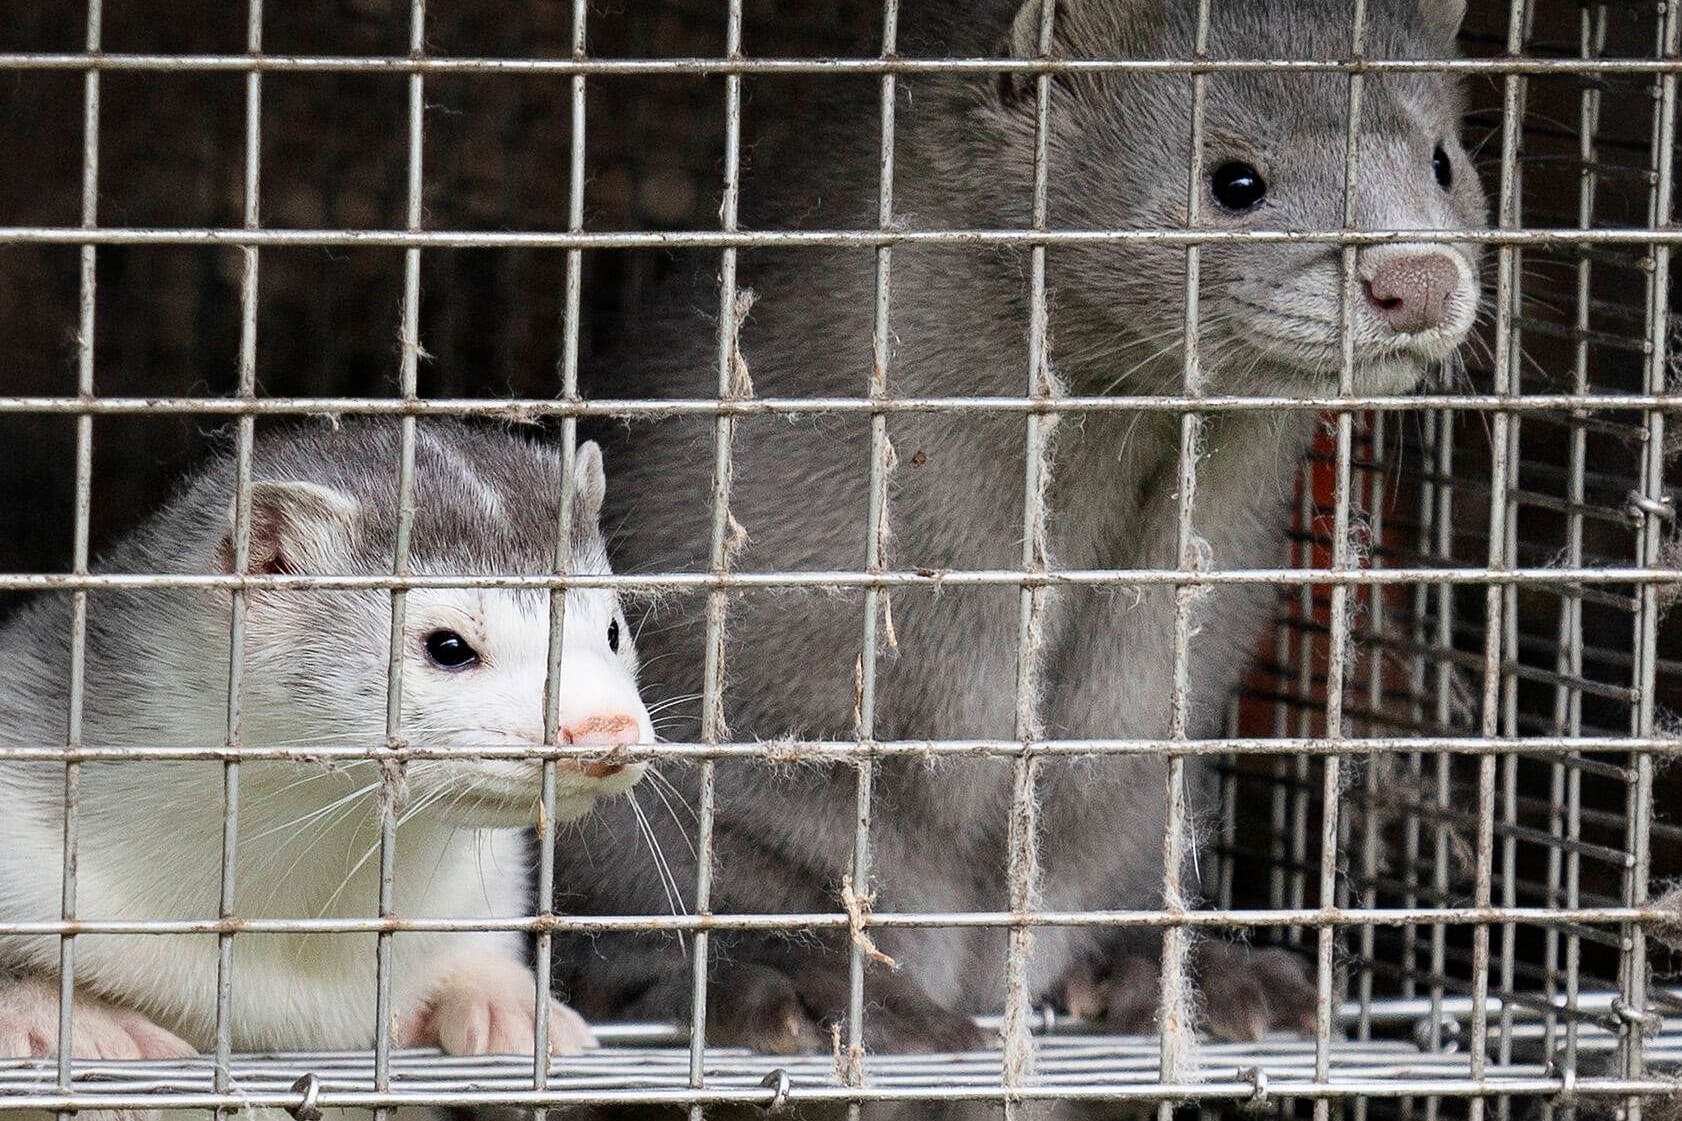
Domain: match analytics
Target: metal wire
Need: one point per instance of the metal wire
(643, 1064)
(1456, 934)
(241, 538)
(738, 66)
(85, 338)
(767, 239)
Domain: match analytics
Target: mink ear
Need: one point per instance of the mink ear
(589, 483)
(295, 527)
(1443, 17)
(1079, 29)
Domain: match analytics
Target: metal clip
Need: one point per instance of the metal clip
(1449, 1031)
(1647, 1023)
(306, 1110)
(777, 1080)
(1663, 507)
(1566, 1096)
(1257, 1078)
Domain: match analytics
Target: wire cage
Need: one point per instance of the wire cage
(1444, 780)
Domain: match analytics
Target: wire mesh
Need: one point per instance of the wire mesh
(1445, 778)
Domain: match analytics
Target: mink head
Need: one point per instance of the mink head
(474, 660)
(1273, 157)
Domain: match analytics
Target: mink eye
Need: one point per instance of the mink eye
(1442, 168)
(448, 650)
(613, 636)
(1237, 186)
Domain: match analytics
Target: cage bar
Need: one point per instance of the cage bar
(1464, 837)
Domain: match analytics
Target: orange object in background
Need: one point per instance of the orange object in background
(1257, 706)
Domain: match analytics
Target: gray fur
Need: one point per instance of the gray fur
(1270, 323)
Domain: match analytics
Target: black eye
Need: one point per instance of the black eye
(1237, 186)
(448, 650)
(613, 636)
(1442, 168)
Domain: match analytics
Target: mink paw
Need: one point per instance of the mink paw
(785, 1013)
(1246, 993)
(29, 1026)
(1243, 993)
(487, 1007)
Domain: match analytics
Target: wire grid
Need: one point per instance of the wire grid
(1568, 829)
(1530, 715)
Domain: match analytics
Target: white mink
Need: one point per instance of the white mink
(323, 501)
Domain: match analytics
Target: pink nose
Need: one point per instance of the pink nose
(607, 729)
(1411, 294)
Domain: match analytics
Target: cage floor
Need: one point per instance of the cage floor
(631, 1068)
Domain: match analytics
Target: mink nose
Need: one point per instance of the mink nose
(608, 729)
(1411, 293)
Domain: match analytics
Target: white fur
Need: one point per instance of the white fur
(151, 833)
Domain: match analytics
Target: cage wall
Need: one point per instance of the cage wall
(1503, 676)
